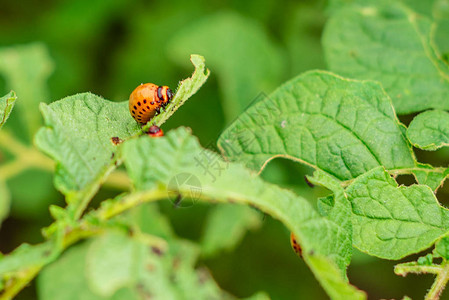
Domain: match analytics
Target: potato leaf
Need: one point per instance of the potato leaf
(340, 126)
(161, 163)
(392, 222)
(429, 130)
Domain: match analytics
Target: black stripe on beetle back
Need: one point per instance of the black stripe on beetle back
(159, 93)
(169, 94)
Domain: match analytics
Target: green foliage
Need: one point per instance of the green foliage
(78, 135)
(153, 163)
(55, 283)
(26, 69)
(430, 176)
(388, 42)
(442, 248)
(231, 53)
(340, 126)
(113, 262)
(6, 105)
(226, 227)
(429, 130)
(332, 283)
(185, 90)
(140, 217)
(390, 221)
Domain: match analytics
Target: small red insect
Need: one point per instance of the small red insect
(155, 131)
(147, 100)
(296, 247)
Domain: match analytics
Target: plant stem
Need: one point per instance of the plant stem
(439, 283)
(25, 157)
(118, 180)
(23, 279)
(404, 269)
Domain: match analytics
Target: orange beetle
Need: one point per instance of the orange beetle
(155, 131)
(296, 247)
(147, 100)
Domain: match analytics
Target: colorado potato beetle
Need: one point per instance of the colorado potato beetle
(296, 247)
(155, 131)
(147, 100)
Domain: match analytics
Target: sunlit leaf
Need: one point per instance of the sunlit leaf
(79, 135)
(155, 163)
(390, 221)
(388, 42)
(429, 130)
(340, 126)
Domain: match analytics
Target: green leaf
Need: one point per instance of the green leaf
(120, 266)
(66, 279)
(340, 126)
(112, 262)
(429, 130)
(441, 27)
(26, 69)
(388, 42)
(19, 267)
(6, 105)
(77, 136)
(186, 89)
(244, 69)
(430, 176)
(225, 227)
(26, 256)
(327, 275)
(426, 260)
(442, 248)
(325, 205)
(191, 283)
(155, 164)
(149, 220)
(390, 221)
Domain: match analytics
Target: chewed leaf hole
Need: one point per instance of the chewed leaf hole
(442, 194)
(406, 179)
(438, 158)
(406, 119)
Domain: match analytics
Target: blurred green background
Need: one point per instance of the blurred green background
(110, 47)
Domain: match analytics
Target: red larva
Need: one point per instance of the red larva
(147, 100)
(155, 131)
